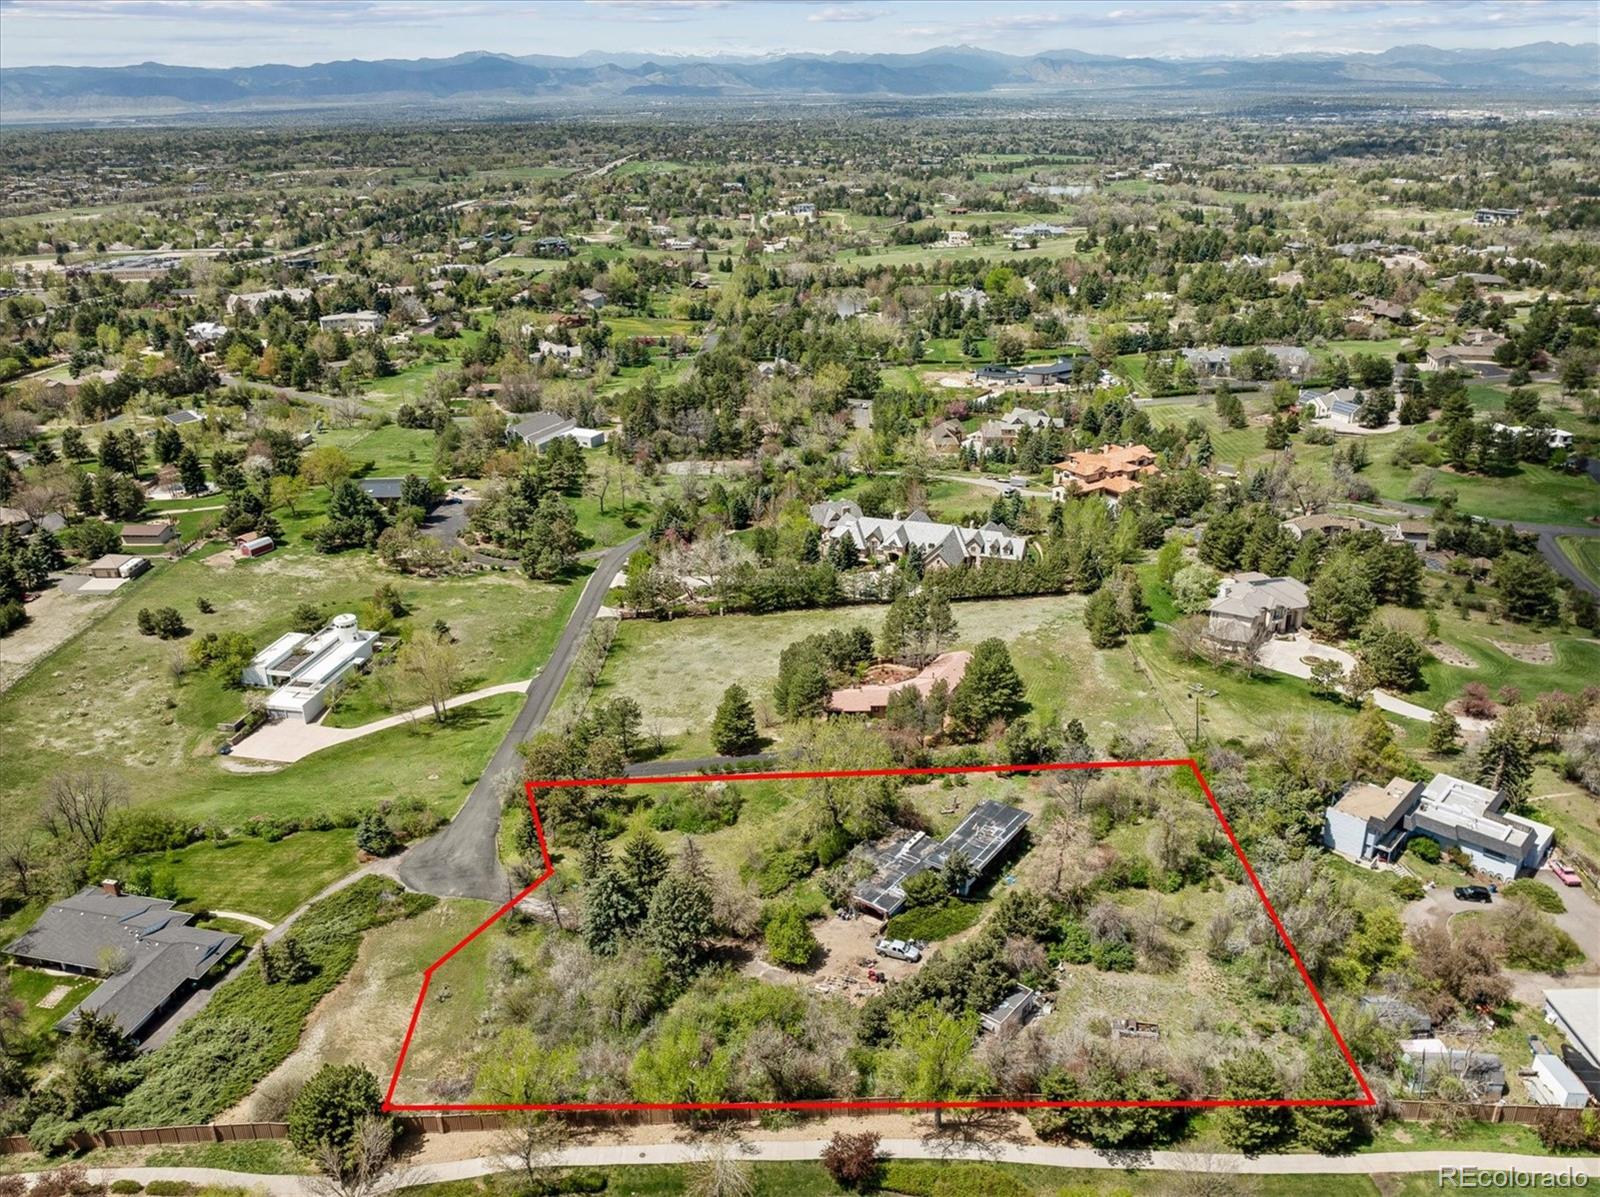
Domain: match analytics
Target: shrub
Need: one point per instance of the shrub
(326, 1111)
(852, 1160)
(783, 868)
(170, 1188)
(930, 923)
(1558, 1130)
(580, 1180)
(1535, 893)
(1075, 945)
(1425, 849)
(929, 1179)
(126, 1186)
(697, 809)
(789, 938)
(1409, 889)
(374, 836)
(59, 1182)
(51, 1134)
(1113, 956)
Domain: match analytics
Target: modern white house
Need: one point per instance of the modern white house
(1369, 823)
(1556, 438)
(303, 670)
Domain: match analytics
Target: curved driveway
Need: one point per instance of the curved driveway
(462, 860)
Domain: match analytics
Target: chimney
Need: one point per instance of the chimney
(112, 886)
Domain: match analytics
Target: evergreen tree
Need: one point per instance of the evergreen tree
(1375, 754)
(989, 691)
(733, 731)
(1101, 618)
(679, 922)
(191, 473)
(642, 866)
(610, 912)
(1444, 733)
(1340, 598)
(1250, 1076)
(1505, 757)
(1330, 1130)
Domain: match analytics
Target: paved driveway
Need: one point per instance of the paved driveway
(1291, 655)
(289, 740)
(462, 860)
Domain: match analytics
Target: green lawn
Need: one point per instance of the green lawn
(253, 876)
(677, 670)
(926, 255)
(805, 1179)
(1576, 663)
(1584, 552)
(527, 622)
(30, 986)
(389, 451)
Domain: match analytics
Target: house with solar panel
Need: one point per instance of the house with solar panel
(985, 836)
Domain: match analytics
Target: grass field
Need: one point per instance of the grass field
(253, 876)
(364, 1020)
(1584, 552)
(926, 255)
(389, 451)
(115, 699)
(677, 670)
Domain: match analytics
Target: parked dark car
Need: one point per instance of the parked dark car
(1472, 893)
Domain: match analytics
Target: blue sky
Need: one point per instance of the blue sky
(246, 32)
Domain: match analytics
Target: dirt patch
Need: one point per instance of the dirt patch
(221, 560)
(1451, 655)
(54, 617)
(1543, 653)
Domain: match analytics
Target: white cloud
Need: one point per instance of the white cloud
(845, 13)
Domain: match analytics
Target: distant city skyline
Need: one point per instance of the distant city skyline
(232, 33)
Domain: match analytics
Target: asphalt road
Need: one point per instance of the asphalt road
(462, 859)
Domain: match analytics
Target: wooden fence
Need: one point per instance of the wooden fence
(1429, 1111)
(449, 1123)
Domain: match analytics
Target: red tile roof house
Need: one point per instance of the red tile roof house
(949, 668)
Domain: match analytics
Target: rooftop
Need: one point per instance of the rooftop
(949, 668)
(1248, 594)
(1370, 802)
(97, 929)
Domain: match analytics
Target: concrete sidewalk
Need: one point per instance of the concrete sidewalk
(1197, 1163)
(288, 741)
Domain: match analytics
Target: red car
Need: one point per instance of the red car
(1563, 874)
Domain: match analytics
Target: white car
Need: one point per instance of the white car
(899, 949)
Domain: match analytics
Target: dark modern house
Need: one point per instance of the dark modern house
(984, 836)
(145, 949)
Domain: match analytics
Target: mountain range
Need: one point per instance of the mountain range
(1551, 69)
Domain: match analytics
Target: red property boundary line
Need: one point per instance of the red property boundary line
(1367, 1099)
